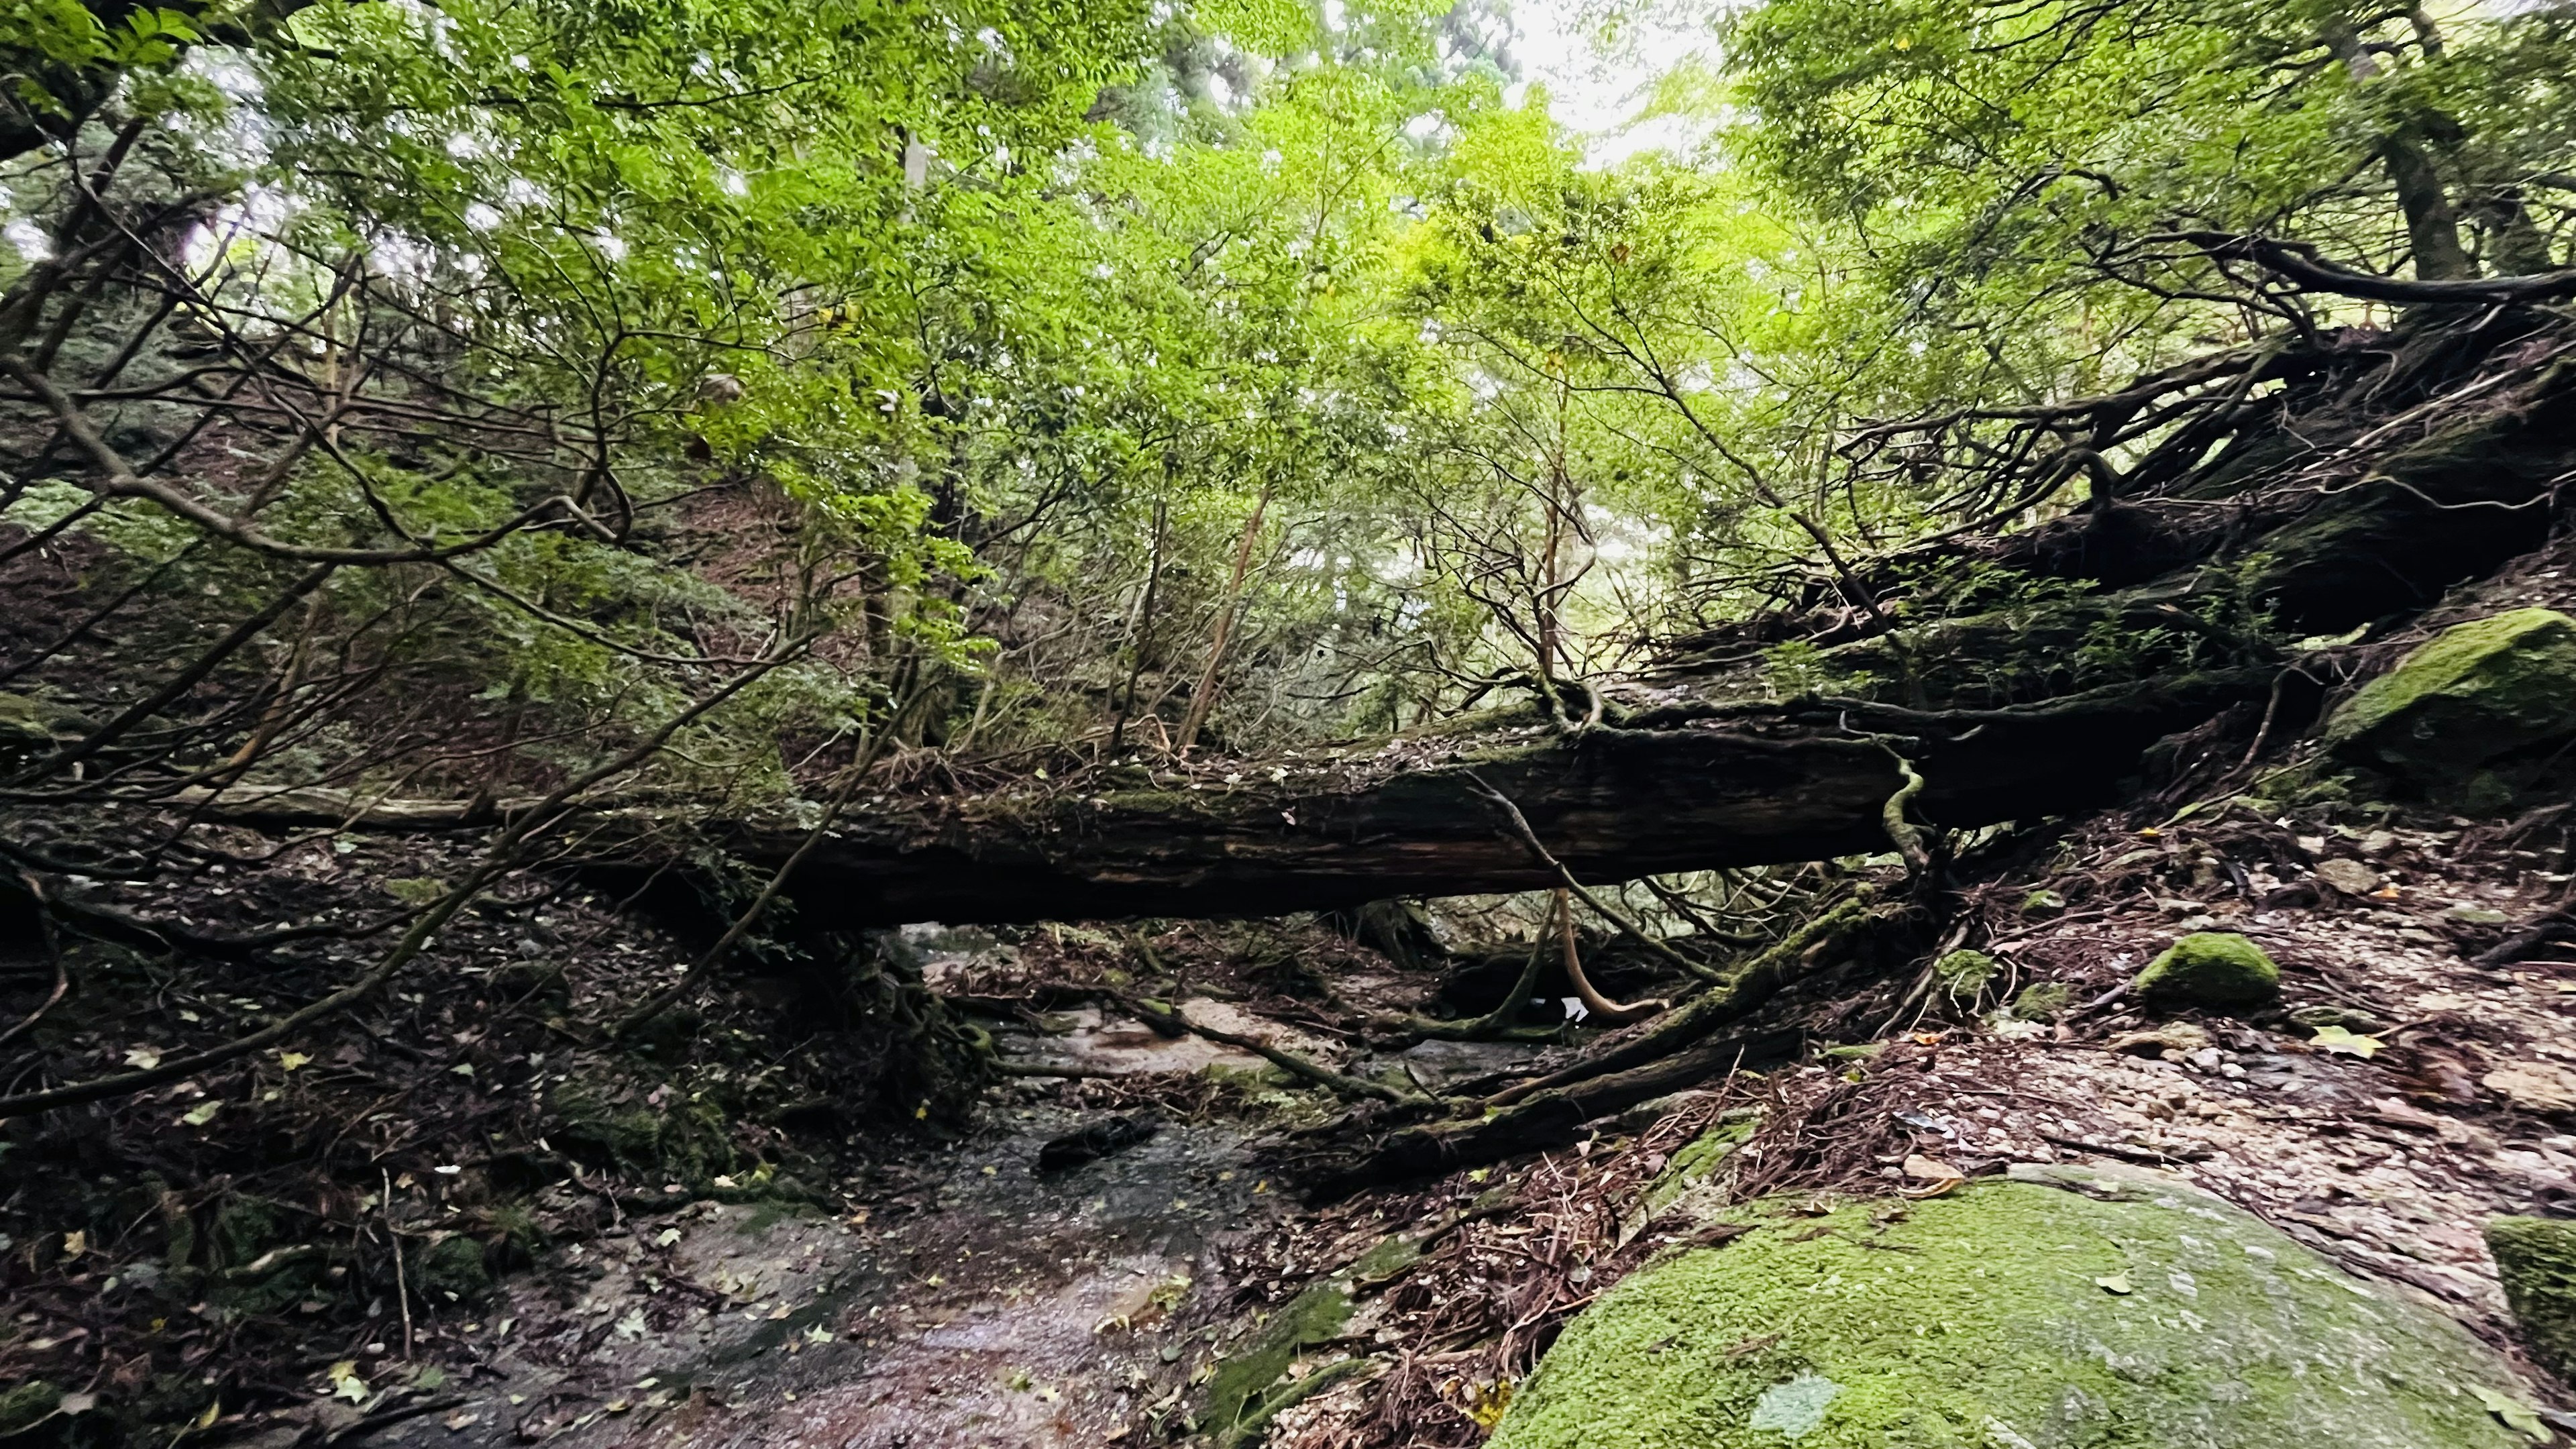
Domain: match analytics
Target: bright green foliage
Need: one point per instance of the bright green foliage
(2209, 968)
(2477, 692)
(2009, 161)
(2118, 1309)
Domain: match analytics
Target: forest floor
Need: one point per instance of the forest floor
(789, 1285)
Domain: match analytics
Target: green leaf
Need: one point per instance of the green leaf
(2513, 1412)
(2345, 1041)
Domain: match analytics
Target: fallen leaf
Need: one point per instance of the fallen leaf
(2514, 1413)
(74, 1244)
(345, 1383)
(666, 1237)
(2115, 1283)
(461, 1420)
(76, 1404)
(201, 1114)
(632, 1325)
(291, 1061)
(2345, 1041)
(818, 1334)
(143, 1058)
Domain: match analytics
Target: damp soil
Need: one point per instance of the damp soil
(983, 1303)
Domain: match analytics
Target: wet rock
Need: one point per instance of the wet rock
(2536, 1259)
(2210, 968)
(1105, 1138)
(2454, 715)
(2068, 1306)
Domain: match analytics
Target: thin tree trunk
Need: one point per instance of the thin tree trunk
(1141, 635)
(1203, 699)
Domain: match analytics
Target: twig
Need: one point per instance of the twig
(402, 1283)
(53, 949)
(1528, 837)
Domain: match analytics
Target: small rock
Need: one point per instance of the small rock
(2210, 968)
(2180, 1038)
(2318, 1018)
(2536, 1259)
(2350, 877)
(2533, 1086)
(1100, 1139)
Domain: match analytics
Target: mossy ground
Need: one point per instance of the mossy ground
(2536, 1259)
(2010, 1316)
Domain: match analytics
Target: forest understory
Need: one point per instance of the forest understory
(1339, 1179)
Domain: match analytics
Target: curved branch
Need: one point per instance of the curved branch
(2301, 263)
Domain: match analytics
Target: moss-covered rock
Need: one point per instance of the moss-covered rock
(1964, 974)
(687, 1140)
(452, 1268)
(2073, 1307)
(2536, 1258)
(2476, 695)
(2209, 968)
(2044, 1001)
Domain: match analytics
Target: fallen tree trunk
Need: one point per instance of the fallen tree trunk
(1739, 786)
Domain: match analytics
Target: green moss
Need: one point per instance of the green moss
(2045, 1001)
(1981, 1321)
(21, 1405)
(1236, 1391)
(1964, 974)
(1696, 1159)
(2477, 692)
(2042, 903)
(452, 1268)
(2536, 1258)
(685, 1141)
(244, 1227)
(2210, 968)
